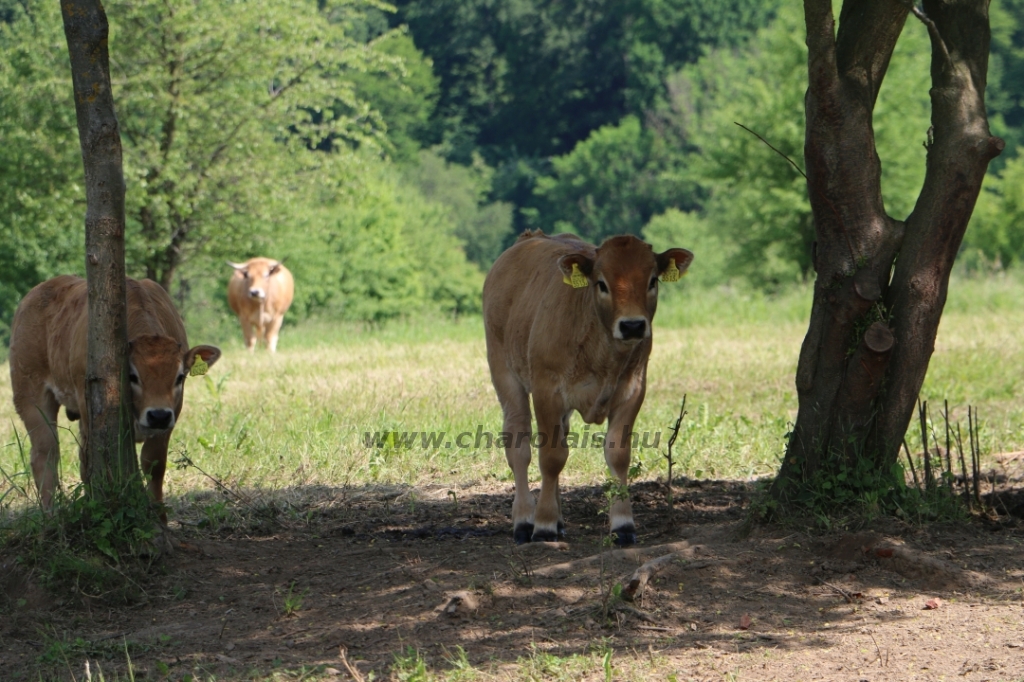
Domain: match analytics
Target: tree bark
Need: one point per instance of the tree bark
(109, 448)
(881, 282)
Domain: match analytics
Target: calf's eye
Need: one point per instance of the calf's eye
(133, 377)
(653, 284)
(180, 380)
(602, 287)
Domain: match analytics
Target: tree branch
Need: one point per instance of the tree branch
(868, 31)
(933, 32)
(823, 75)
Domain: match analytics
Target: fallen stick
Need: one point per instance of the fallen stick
(623, 608)
(845, 595)
(356, 675)
(534, 547)
(636, 554)
(643, 575)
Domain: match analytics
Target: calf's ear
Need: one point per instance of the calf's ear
(208, 354)
(574, 264)
(673, 263)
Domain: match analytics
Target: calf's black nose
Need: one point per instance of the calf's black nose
(159, 418)
(633, 329)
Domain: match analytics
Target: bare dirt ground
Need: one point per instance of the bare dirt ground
(401, 577)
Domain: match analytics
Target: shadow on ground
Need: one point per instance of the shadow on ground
(408, 581)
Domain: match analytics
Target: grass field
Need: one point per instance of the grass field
(299, 418)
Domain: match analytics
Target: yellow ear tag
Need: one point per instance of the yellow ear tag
(199, 368)
(671, 273)
(577, 280)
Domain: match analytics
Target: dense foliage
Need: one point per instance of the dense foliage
(41, 196)
(392, 153)
(754, 209)
(533, 77)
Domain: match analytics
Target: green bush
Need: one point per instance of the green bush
(42, 195)
(483, 227)
(755, 199)
(995, 238)
(611, 183)
(376, 252)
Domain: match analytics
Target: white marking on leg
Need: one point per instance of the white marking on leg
(619, 520)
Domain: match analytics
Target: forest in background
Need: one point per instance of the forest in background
(390, 153)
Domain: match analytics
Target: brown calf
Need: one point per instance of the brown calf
(260, 292)
(48, 359)
(570, 323)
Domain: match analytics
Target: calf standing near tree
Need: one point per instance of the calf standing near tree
(571, 323)
(49, 369)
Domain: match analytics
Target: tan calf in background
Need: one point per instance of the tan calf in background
(260, 292)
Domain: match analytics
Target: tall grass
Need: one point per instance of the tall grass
(300, 417)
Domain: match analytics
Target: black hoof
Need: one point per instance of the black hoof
(522, 533)
(561, 530)
(544, 535)
(625, 535)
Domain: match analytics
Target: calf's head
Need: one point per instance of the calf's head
(257, 273)
(623, 279)
(157, 368)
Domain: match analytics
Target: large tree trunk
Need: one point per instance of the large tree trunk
(110, 458)
(881, 282)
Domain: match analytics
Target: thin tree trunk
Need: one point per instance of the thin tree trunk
(110, 457)
(881, 283)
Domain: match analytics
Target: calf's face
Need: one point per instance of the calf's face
(257, 276)
(624, 279)
(157, 367)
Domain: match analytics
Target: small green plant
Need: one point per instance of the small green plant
(409, 666)
(62, 650)
(461, 668)
(215, 515)
(614, 491)
(669, 460)
(596, 663)
(291, 604)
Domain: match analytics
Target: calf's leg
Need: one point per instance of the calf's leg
(154, 463)
(40, 418)
(552, 455)
(273, 331)
(248, 332)
(617, 456)
(515, 404)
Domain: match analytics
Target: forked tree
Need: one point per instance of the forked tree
(110, 459)
(881, 281)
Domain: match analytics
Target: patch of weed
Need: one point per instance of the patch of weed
(97, 545)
